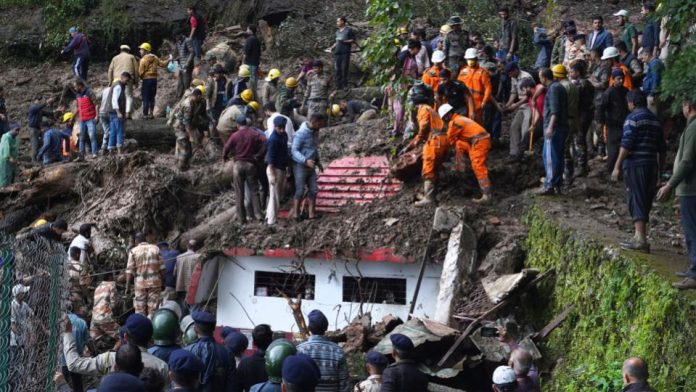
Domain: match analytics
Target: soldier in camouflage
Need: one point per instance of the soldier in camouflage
(104, 323)
(79, 281)
(147, 266)
(316, 99)
(189, 120)
(456, 42)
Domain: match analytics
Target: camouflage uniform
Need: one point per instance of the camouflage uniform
(103, 320)
(187, 113)
(455, 45)
(372, 384)
(146, 264)
(78, 279)
(286, 101)
(317, 94)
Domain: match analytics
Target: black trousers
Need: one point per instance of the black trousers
(342, 62)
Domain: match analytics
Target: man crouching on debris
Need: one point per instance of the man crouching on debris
(305, 153)
(183, 122)
(403, 375)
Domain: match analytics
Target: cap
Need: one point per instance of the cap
(163, 244)
(139, 326)
(118, 382)
(610, 53)
(438, 56)
(19, 289)
(72, 30)
(280, 121)
(317, 63)
(455, 20)
(240, 120)
(317, 322)
(204, 317)
(623, 13)
(616, 72)
(301, 371)
(14, 125)
(504, 375)
(377, 359)
(401, 342)
(184, 362)
(125, 47)
(236, 342)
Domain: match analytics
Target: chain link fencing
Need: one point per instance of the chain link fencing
(33, 296)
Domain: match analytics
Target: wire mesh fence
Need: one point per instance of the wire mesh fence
(32, 300)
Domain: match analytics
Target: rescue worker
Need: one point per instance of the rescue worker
(286, 103)
(635, 67)
(431, 76)
(432, 134)
(454, 93)
(126, 62)
(478, 82)
(375, 363)
(240, 85)
(470, 138)
(578, 77)
(612, 110)
(104, 326)
(185, 57)
(403, 375)
(79, 45)
(137, 331)
(560, 73)
(8, 155)
(613, 57)
(184, 371)
(188, 118)
(270, 89)
(227, 124)
(147, 70)
(218, 370)
(216, 98)
(165, 327)
(79, 281)
(355, 110)
(316, 98)
(117, 114)
(247, 147)
(456, 42)
(147, 266)
(51, 151)
(274, 358)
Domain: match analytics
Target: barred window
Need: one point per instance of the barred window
(277, 284)
(374, 290)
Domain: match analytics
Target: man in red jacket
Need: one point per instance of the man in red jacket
(88, 117)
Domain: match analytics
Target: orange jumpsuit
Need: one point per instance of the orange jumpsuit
(478, 81)
(628, 79)
(431, 130)
(431, 77)
(470, 138)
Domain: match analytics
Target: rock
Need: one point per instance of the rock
(382, 328)
(356, 335)
(507, 257)
(446, 218)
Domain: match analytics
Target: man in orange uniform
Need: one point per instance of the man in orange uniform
(478, 81)
(469, 138)
(431, 131)
(431, 76)
(612, 55)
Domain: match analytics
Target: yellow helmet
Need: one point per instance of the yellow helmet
(444, 29)
(201, 89)
(197, 82)
(273, 74)
(335, 110)
(247, 95)
(244, 72)
(145, 46)
(68, 116)
(290, 82)
(254, 106)
(559, 71)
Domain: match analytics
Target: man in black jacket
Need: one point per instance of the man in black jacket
(635, 376)
(611, 113)
(403, 375)
(252, 369)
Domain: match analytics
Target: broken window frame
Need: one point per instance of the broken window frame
(372, 290)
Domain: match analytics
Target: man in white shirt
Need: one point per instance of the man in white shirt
(270, 110)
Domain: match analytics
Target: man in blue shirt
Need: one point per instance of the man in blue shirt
(556, 128)
(305, 155)
(600, 38)
(542, 41)
(218, 371)
(651, 30)
(51, 151)
(652, 78)
(278, 159)
(79, 45)
(641, 155)
(169, 255)
(37, 110)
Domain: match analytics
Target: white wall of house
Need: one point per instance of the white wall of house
(239, 307)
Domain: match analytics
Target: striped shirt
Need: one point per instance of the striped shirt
(331, 361)
(643, 138)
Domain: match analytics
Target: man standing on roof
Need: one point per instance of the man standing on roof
(478, 82)
(125, 62)
(79, 45)
(147, 266)
(345, 37)
(456, 42)
(305, 154)
(149, 63)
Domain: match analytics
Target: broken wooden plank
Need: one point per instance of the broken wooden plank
(544, 333)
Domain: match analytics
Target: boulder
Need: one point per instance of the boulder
(506, 257)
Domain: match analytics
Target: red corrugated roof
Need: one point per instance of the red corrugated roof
(355, 181)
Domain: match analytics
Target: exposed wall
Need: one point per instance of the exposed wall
(624, 308)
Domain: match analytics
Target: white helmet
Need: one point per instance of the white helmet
(471, 54)
(504, 375)
(438, 56)
(610, 53)
(444, 109)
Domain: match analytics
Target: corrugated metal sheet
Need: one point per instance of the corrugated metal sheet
(355, 180)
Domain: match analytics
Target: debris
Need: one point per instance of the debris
(506, 257)
(499, 288)
(390, 221)
(494, 221)
(544, 333)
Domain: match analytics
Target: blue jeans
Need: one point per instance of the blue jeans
(149, 90)
(197, 48)
(688, 217)
(105, 122)
(304, 176)
(553, 159)
(115, 131)
(88, 127)
(80, 66)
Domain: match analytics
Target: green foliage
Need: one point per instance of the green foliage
(384, 17)
(59, 15)
(679, 80)
(622, 309)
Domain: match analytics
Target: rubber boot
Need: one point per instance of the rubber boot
(485, 196)
(428, 194)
